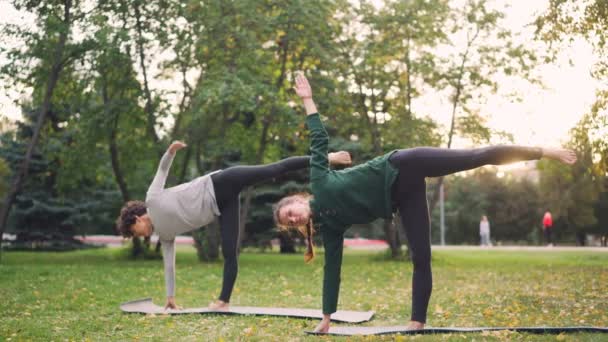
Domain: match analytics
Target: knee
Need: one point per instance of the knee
(421, 260)
(230, 255)
(231, 266)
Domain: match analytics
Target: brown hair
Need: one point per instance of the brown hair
(128, 215)
(307, 230)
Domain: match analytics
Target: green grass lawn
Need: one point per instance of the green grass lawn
(75, 295)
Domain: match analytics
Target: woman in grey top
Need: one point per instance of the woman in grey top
(169, 212)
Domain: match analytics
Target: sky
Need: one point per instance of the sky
(543, 117)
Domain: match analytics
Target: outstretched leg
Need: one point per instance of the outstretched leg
(231, 181)
(227, 185)
(436, 162)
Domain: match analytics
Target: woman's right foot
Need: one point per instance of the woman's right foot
(560, 154)
(219, 305)
(414, 325)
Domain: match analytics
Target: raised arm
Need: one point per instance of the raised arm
(304, 91)
(158, 183)
(319, 140)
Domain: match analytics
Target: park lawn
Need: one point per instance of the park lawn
(75, 295)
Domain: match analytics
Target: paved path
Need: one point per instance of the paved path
(364, 244)
(523, 248)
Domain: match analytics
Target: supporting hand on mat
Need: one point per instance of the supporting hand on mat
(339, 158)
(176, 146)
(323, 327)
(171, 304)
(219, 305)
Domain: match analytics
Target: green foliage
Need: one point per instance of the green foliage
(231, 66)
(566, 19)
(585, 198)
(481, 52)
(4, 177)
(512, 205)
(574, 192)
(207, 242)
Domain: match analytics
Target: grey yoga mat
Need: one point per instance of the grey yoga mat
(146, 306)
(401, 330)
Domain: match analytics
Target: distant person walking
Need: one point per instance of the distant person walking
(547, 228)
(484, 231)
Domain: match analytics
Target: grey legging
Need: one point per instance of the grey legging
(227, 185)
(409, 193)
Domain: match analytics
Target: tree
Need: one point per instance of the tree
(294, 27)
(474, 67)
(376, 75)
(560, 24)
(565, 20)
(54, 53)
(511, 204)
(573, 191)
(45, 215)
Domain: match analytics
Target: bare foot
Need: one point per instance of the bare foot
(560, 154)
(413, 325)
(219, 305)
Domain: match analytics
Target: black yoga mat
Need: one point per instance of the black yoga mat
(401, 330)
(146, 306)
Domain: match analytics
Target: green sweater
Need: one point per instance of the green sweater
(356, 195)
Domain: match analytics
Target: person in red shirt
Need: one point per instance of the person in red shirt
(547, 228)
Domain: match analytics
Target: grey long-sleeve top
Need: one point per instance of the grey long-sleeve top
(177, 210)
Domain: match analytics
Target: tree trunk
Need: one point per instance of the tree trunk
(184, 168)
(435, 197)
(50, 88)
(249, 192)
(142, 63)
(286, 243)
(207, 240)
(401, 236)
(184, 104)
(113, 148)
(391, 238)
(390, 233)
(408, 83)
(284, 46)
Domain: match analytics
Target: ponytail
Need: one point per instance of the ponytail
(310, 248)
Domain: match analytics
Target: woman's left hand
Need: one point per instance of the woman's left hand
(176, 146)
(302, 87)
(171, 304)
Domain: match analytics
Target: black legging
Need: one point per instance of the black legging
(409, 193)
(227, 185)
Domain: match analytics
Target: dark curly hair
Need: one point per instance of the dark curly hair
(127, 216)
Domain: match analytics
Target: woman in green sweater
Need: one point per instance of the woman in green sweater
(376, 189)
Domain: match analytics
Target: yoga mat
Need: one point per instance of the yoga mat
(401, 330)
(146, 306)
